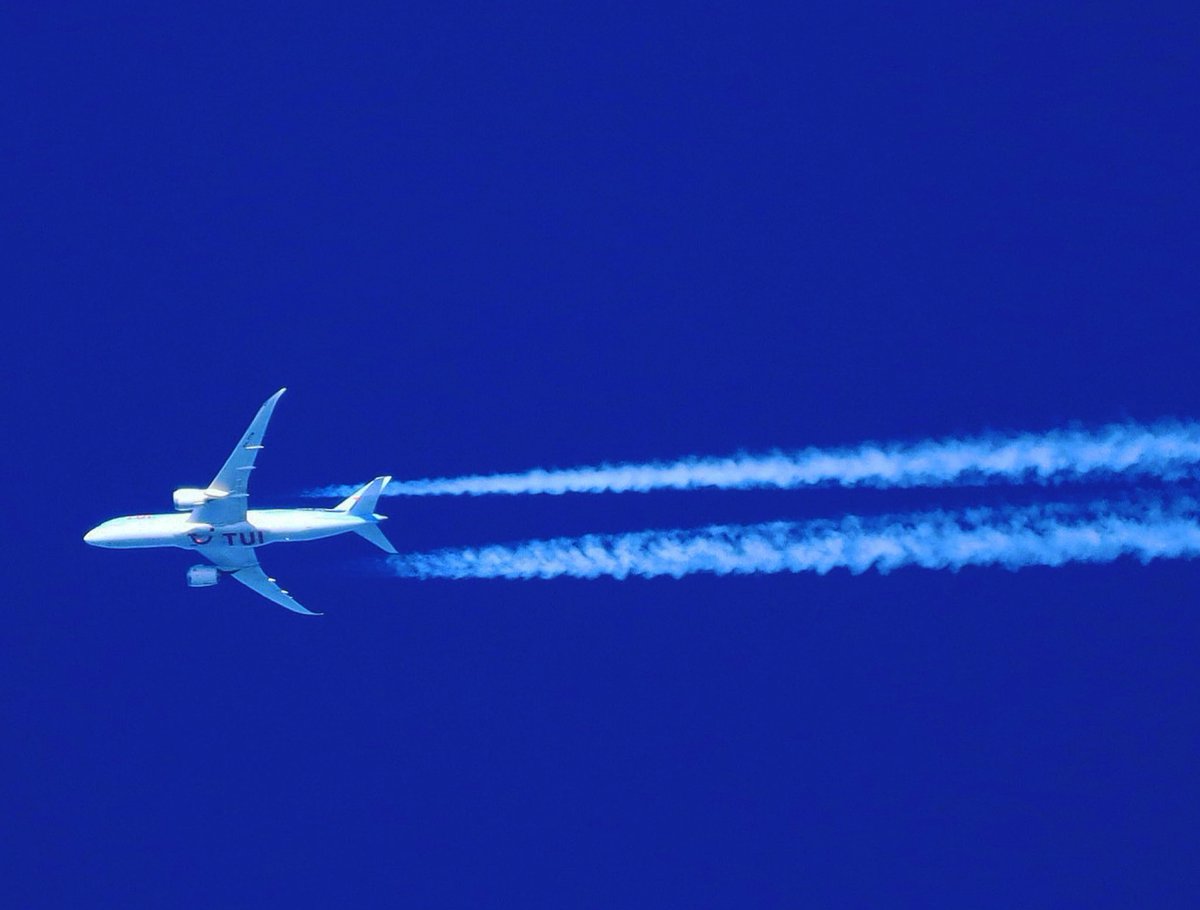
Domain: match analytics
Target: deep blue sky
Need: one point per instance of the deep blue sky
(473, 239)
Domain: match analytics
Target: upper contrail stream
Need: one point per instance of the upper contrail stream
(1167, 450)
(1036, 535)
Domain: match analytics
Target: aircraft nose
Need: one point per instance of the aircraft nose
(92, 537)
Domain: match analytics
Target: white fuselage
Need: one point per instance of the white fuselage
(261, 527)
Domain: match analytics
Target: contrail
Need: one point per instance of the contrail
(1045, 535)
(1168, 450)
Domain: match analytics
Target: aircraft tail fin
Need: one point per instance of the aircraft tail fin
(361, 504)
(362, 501)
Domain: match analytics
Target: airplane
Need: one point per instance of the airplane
(219, 527)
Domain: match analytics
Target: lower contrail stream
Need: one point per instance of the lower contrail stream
(1164, 450)
(1033, 536)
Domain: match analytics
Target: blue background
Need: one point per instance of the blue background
(477, 238)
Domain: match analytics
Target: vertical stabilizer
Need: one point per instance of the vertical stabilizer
(361, 504)
(362, 501)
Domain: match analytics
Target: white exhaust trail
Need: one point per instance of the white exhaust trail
(1044, 535)
(1165, 450)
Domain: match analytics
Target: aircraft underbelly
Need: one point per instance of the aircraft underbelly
(265, 527)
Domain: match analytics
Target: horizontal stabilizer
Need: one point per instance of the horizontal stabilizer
(372, 533)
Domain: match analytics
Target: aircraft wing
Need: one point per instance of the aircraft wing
(228, 488)
(242, 564)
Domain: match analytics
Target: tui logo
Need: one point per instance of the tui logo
(232, 538)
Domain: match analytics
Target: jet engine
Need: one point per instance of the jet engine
(187, 498)
(202, 576)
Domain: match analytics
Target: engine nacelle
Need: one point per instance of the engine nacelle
(202, 576)
(187, 498)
